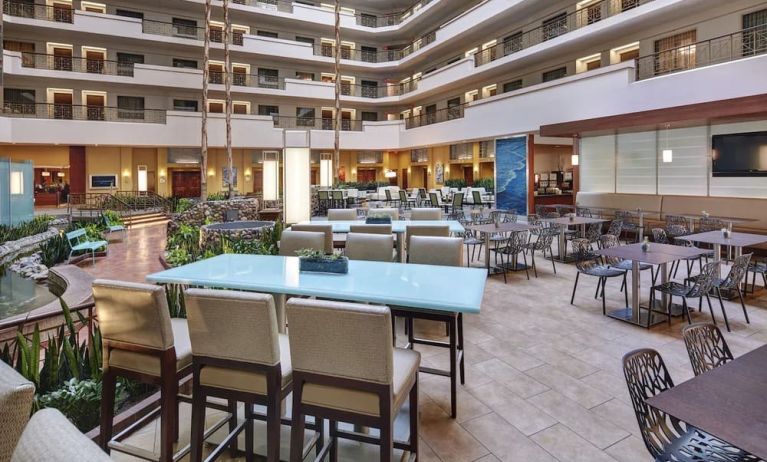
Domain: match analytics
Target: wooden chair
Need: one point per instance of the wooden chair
(370, 247)
(426, 214)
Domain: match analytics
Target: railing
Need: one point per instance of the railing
(429, 118)
(39, 11)
(328, 50)
(391, 19)
(556, 26)
(308, 123)
(271, 5)
(741, 44)
(247, 80)
(73, 112)
(71, 64)
(150, 26)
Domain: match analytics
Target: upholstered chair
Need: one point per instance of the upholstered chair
(326, 229)
(426, 214)
(342, 214)
(293, 241)
(238, 354)
(371, 247)
(50, 436)
(141, 342)
(16, 396)
(370, 229)
(425, 230)
(390, 211)
(346, 369)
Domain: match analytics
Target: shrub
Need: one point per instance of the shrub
(55, 250)
(455, 183)
(183, 204)
(80, 401)
(218, 196)
(112, 217)
(487, 183)
(34, 226)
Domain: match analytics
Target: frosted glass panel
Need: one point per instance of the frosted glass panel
(16, 192)
(687, 173)
(636, 163)
(597, 164)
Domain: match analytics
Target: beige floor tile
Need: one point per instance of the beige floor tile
(504, 441)
(525, 417)
(449, 440)
(620, 414)
(519, 383)
(567, 446)
(574, 389)
(562, 361)
(631, 449)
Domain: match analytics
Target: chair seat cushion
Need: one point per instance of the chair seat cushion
(406, 363)
(250, 382)
(149, 364)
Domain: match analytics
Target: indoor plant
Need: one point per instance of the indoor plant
(314, 261)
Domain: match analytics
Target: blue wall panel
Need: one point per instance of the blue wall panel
(511, 174)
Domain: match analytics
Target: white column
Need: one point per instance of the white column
(297, 184)
(326, 170)
(271, 172)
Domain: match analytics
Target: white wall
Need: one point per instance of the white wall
(597, 164)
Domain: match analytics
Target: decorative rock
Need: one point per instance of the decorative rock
(30, 267)
(9, 250)
(213, 211)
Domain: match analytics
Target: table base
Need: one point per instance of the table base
(627, 315)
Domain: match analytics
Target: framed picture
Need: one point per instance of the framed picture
(439, 173)
(108, 181)
(225, 177)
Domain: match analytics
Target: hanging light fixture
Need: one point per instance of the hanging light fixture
(390, 174)
(576, 158)
(668, 154)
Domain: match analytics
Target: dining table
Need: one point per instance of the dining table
(718, 239)
(498, 229)
(564, 223)
(726, 402)
(656, 254)
(691, 217)
(439, 293)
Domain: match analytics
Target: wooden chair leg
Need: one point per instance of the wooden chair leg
(249, 444)
(198, 421)
(460, 348)
(387, 439)
(232, 426)
(298, 425)
(453, 378)
(273, 424)
(108, 386)
(168, 395)
(414, 418)
(333, 441)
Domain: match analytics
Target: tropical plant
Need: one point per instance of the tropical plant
(112, 217)
(55, 250)
(183, 204)
(80, 401)
(487, 183)
(455, 183)
(185, 237)
(174, 294)
(37, 225)
(314, 254)
(217, 196)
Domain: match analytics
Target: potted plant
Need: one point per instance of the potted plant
(314, 261)
(378, 219)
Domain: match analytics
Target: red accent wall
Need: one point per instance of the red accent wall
(77, 175)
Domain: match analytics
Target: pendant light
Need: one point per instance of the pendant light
(668, 154)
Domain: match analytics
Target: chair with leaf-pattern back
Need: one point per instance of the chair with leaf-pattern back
(584, 212)
(661, 236)
(667, 438)
(732, 282)
(706, 347)
(676, 226)
(701, 288)
(630, 222)
(511, 248)
(607, 242)
(544, 242)
(590, 264)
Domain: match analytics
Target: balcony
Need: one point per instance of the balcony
(429, 118)
(72, 64)
(90, 113)
(168, 29)
(328, 50)
(308, 123)
(39, 11)
(392, 19)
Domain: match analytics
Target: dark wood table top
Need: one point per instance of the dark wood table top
(501, 228)
(657, 254)
(727, 402)
(574, 221)
(736, 239)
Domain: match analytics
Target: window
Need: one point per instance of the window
(216, 107)
(19, 101)
(419, 155)
(486, 149)
(17, 182)
(629, 55)
(268, 78)
(554, 26)
(554, 74)
(431, 114)
(369, 116)
(264, 33)
(240, 107)
(368, 20)
(304, 75)
(184, 27)
(754, 37)
(266, 110)
(369, 88)
(130, 107)
(512, 43)
(463, 151)
(27, 50)
(129, 13)
(305, 116)
(189, 105)
(675, 53)
(369, 54)
(185, 63)
(308, 40)
(453, 108)
(125, 62)
(94, 7)
(513, 85)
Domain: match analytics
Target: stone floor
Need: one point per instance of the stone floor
(543, 380)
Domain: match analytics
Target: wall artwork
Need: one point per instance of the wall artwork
(225, 177)
(439, 173)
(511, 174)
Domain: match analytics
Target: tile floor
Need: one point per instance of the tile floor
(543, 382)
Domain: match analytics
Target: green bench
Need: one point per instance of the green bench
(78, 244)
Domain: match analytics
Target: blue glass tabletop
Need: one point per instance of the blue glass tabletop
(442, 288)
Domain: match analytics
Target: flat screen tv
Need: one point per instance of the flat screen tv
(740, 154)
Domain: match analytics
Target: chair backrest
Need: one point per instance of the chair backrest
(388, 194)
(441, 251)
(676, 225)
(476, 196)
(616, 226)
(710, 224)
(342, 214)
(646, 376)
(534, 220)
(458, 199)
(737, 272)
(425, 230)
(426, 214)
(293, 241)
(608, 241)
(403, 195)
(73, 237)
(348, 340)
(705, 346)
(583, 212)
(16, 397)
(133, 313)
(370, 229)
(337, 194)
(434, 199)
(659, 235)
(371, 247)
(323, 195)
(593, 231)
(422, 193)
(705, 281)
(390, 211)
(325, 229)
(233, 325)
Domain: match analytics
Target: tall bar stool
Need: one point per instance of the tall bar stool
(238, 354)
(429, 213)
(424, 230)
(141, 342)
(346, 369)
(327, 230)
(291, 242)
(342, 214)
(370, 247)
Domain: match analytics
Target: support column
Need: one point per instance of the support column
(297, 170)
(77, 173)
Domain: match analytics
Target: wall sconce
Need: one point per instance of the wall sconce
(575, 159)
(390, 174)
(126, 173)
(247, 175)
(211, 172)
(45, 174)
(162, 176)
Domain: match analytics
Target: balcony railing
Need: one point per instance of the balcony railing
(741, 44)
(39, 11)
(272, 5)
(391, 19)
(556, 26)
(328, 50)
(309, 123)
(168, 29)
(429, 118)
(91, 113)
(248, 80)
(72, 64)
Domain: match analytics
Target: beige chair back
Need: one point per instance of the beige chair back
(342, 214)
(426, 230)
(227, 324)
(370, 229)
(426, 214)
(16, 396)
(292, 241)
(371, 247)
(133, 313)
(442, 251)
(392, 212)
(348, 340)
(326, 229)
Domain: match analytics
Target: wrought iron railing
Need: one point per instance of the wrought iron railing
(272, 5)
(741, 44)
(429, 118)
(241, 79)
(390, 19)
(328, 50)
(150, 26)
(39, 11)
(72, 64)
(309, 123)
(554, 27)
(76, 112)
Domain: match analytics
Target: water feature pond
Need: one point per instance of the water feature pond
(20, 295)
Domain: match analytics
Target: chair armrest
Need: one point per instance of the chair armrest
(50, 436)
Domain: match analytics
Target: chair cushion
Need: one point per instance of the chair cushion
(16, 396)
(49, 436)
(148, 364)
(250, 382)
(406, 363)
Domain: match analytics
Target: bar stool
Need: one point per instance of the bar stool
(141, 342)
(422, 214)
(342, 214)
(327, 230)
(370, 247)
(291, 242)
(346, 369)
(238, 354)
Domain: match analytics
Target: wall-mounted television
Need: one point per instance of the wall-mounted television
(740, 154)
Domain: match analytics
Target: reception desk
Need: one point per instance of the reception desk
(554, 199)
(47, 199)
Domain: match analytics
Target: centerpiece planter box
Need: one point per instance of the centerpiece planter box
(378, 220)
(323, 265)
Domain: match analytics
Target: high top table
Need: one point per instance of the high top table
(564, 222)
(501, 228)
(726, 402)
(398, 227)
(439, 293)
(657, 254)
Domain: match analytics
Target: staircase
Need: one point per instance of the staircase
(144, 218)
(136, 209)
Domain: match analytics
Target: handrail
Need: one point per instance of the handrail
(309, 123)
(741, 44)
(19, 324)
(328, 50)
(80, 112)
(39, 11)
(76, 64)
